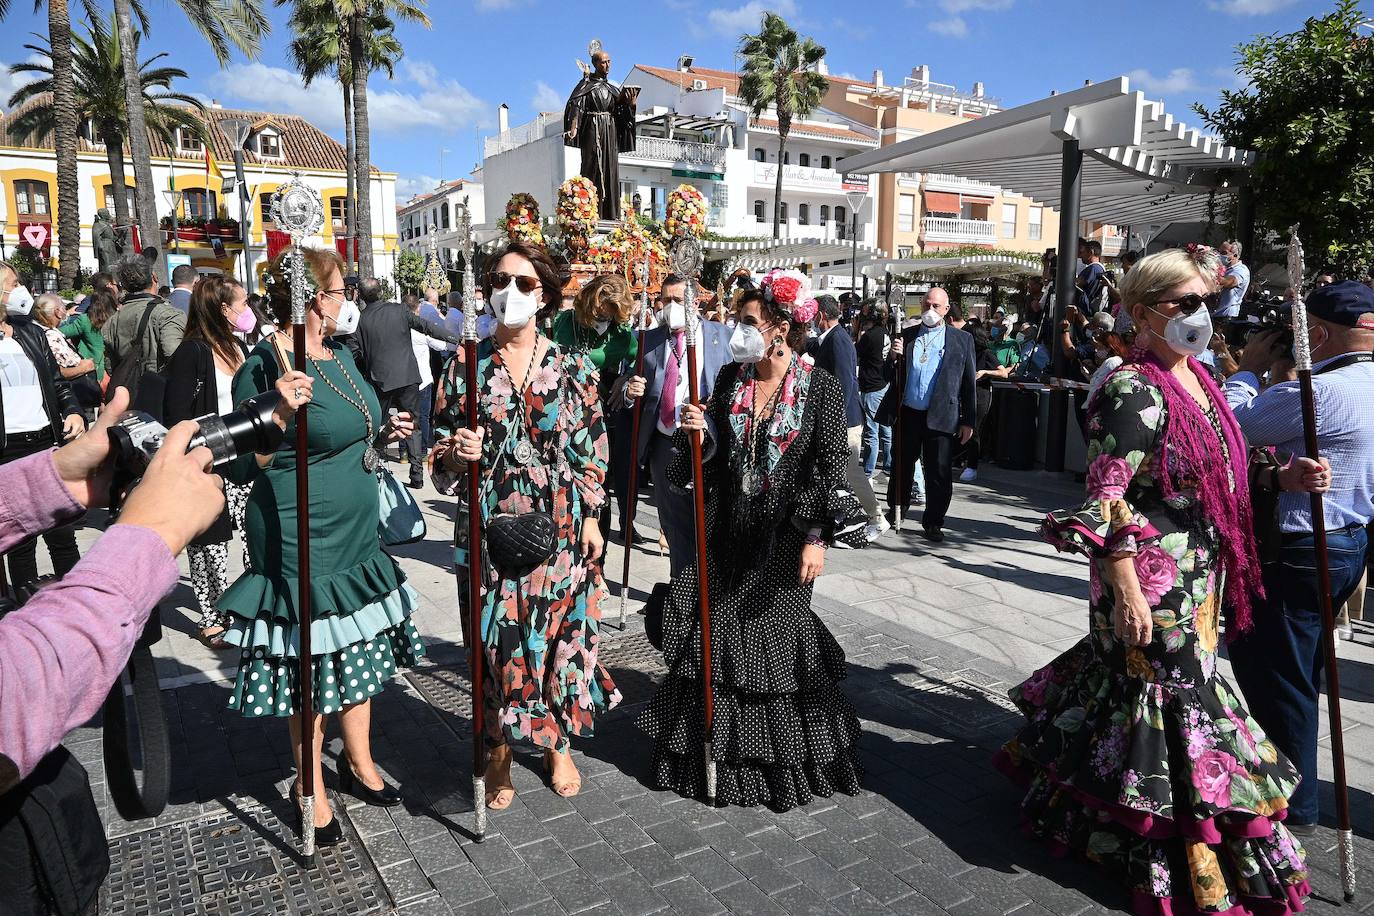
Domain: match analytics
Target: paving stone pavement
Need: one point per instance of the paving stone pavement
(933, 636)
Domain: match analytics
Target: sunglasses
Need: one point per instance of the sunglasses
(499, 279)
(1192, 302)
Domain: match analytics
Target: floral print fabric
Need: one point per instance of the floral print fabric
(787, 415)
(540, 632)
(1143, 759)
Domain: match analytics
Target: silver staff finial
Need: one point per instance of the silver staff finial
(1302, 347)
(465, 243)
(297, 210)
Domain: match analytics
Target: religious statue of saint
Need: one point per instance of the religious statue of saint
(104, 240)
(600, 120)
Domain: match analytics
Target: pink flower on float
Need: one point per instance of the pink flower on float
(1108, 477)
(1212, 777)
(1157, 573)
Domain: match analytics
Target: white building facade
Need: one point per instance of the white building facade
(437, 212)
(278, 146)
(693, 130)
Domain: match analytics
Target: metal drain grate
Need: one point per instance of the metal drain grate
(236, 864)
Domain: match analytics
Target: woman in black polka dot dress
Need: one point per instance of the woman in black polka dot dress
(775, 454)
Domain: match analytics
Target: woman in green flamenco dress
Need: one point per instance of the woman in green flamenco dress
(361, 633)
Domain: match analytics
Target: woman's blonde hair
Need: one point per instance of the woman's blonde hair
(605, 294)
(50, 305)
(1155, 275)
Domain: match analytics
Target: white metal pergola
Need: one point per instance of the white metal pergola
(1139, 165)
(765, 254)
(1103, 153)
(979, 266)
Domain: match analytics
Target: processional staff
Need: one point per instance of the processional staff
(895, 299)
(296, 209)
(687, 262)
(476, 645)
(1302, 361)
(633, 495)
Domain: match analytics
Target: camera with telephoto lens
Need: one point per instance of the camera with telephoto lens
(1275, 315)
(247, 430)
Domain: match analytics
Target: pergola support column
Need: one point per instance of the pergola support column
(1070, 197)
(1245, 222)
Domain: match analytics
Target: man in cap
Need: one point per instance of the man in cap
(1279, 662)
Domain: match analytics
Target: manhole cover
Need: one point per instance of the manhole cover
(235, 864)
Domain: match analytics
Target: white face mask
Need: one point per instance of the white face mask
(20, 301)
(1188, 335)
(675, 314)
(347, 322)
(513, 308)
(930, 318)
(746, 344)
(601, 327)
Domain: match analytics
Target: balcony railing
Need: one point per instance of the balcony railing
(798, 177)
(687, 152)
(964, 231)
(955, 185)
(517, 136)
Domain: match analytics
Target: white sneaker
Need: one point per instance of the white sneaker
(1346, 633)
(875, 530)
(969, 475)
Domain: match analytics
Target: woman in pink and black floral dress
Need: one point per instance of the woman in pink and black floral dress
(543, 448)
(1137, 754)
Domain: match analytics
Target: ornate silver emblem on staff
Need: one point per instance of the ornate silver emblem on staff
(297, 210)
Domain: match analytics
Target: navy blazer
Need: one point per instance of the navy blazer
(953, 403)
(835, 354)
(714, 352)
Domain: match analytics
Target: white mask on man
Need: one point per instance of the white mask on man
(675, 315)
(931, 318)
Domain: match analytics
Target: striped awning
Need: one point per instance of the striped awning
(1139, 164)
(978, 266)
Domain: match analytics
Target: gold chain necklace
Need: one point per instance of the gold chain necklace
(370, 457)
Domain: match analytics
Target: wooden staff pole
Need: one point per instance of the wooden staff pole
(895, 479)
(632, 497)
(1302, 358)
(307, 662)
(699, 504)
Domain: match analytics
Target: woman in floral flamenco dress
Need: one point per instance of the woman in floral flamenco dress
(1137, 754)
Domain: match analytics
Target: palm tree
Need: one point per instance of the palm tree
(64, 144)
(321, 47)
(98, 99)
(780, 72)
(358, 22)
(240, 23)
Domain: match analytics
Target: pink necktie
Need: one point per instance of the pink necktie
(667, 401)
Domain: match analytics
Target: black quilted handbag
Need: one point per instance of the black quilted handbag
(520, 543)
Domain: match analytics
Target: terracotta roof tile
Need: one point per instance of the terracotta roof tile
(818, 130)
(303, 145)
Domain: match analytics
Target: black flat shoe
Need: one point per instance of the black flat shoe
(935, 535)
(385, 797)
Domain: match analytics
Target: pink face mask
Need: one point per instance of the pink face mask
(245, 320)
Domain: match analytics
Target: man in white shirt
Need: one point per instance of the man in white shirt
(664, 389)
(1234, 284)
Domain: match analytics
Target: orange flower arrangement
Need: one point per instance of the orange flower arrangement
(577, 206)
(522, 219)
(686, 212)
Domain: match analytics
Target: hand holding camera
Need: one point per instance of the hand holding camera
(178, 497)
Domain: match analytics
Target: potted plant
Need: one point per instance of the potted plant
(192, 229)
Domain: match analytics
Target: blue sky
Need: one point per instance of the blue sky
(481, 53)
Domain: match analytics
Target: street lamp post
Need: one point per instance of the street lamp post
(856, 199)
(237, 131)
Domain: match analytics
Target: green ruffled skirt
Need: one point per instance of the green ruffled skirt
(361, 636)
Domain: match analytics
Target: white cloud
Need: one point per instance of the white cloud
(732, 23)
(953, 24)
(10, 83)
(442, 104)
(545, 98)
(421, 73)
(408, 186)
(951, 27)
(1177, 80)
(1249, 7)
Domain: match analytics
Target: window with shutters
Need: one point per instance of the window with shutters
(31, 198)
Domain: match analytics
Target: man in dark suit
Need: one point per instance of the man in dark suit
(834, 352)
(938, 404)
(664, 388)
(382, 347)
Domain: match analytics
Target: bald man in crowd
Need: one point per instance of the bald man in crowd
(938, 403)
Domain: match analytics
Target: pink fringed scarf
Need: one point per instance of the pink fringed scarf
(1187, 435)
